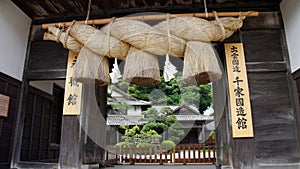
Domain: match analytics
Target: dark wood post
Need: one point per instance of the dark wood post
(271, 102)
(70, 144)
(17, 144)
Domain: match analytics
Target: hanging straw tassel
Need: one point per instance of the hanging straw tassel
(141, 68)
(200, 63)
(91, 68)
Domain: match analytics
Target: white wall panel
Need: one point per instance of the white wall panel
(14, 31)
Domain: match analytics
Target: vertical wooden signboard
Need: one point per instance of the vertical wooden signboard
(238, 91)
(73, 89)
(4, 105)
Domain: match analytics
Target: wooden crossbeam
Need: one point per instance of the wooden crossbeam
(152, 17)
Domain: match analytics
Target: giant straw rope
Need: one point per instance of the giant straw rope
(179, 37)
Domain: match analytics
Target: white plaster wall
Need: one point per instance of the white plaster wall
(116, 95)
(14, 31)
(134, 110)
(291, 17)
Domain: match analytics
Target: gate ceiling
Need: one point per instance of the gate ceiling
(45, 11)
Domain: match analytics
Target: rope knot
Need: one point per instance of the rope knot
(221, 26)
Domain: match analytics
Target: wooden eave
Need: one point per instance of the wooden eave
(47, 11)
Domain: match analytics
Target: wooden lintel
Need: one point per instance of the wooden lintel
(152, 17)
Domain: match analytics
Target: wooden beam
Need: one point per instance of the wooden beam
(47, 75)
(151, 17)
(27, 164)
(18, 134)
(275, 66)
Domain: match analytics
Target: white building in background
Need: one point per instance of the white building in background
(135, 106)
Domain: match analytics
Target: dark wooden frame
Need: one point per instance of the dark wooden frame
(34, 35)
(44, 98)
(253, 67)
(115, 10)
(21, 110)
(72, 133)
(296, 92)
(12, 115)
(247, 150)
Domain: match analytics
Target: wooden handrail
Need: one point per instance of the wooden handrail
(151, 17)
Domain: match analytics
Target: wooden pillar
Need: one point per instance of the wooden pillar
(102, 103)
(17, 144)
(296, 96)
(275, 143)
(222, 121)
(71, 143)
(83, 136)
(94, 143)
(72, 121)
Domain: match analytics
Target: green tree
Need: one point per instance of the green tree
(157, 123)
(175, 132)
(131, 134)
(174, 128)
(205, 97)
(158, 127)
(173, 92)
(152, 117)
(191, 95)
(135, 135)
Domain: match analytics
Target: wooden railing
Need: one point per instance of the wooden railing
(195, 153)
(183, 153)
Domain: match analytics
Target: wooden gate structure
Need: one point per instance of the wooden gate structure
(273, 94)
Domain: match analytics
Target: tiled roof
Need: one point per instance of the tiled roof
(122, 93)
(125, 97)
(185, 108)
(160, 107)
(116, 120)
(130, 102)
(193, 117)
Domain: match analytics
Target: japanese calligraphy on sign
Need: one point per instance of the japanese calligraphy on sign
(73, 89)
(238, 91)
(4, 105)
